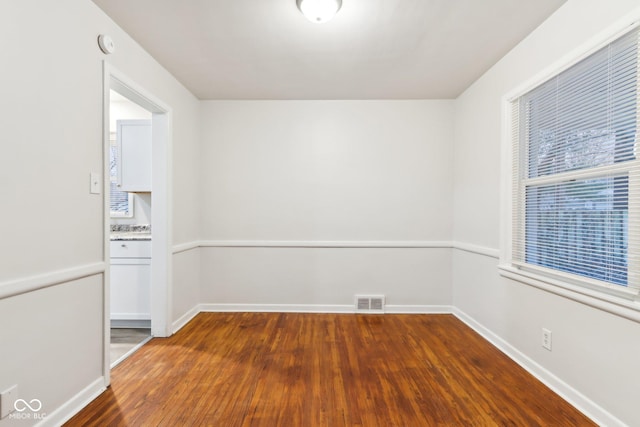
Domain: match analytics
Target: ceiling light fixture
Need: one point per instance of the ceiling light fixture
(319, 11)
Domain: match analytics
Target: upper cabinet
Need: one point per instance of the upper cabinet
(134, 155)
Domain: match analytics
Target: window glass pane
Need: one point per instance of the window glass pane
(586, 116)
(580, 227)
(113, 162)
(119, 200)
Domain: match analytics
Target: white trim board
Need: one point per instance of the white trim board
(364, 244)
(582, 403)
(74, 405)
(185, 318)
(15, 287)
(476, 249)
(626, 309)
(418, 309)
(324, 244)
(161, 197)
(184, 247)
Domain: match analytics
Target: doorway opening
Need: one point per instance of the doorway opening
(130, 173)
(137, 217)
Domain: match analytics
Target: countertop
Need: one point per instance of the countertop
(130, 232)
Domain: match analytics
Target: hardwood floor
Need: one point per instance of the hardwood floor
(286, 369)
(125, 340)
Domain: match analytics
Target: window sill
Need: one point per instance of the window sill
(618, 305)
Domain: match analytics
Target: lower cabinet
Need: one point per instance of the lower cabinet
(130, 280)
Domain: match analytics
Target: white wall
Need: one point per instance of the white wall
(416, 279)
(592, 350)
(316, 171)
(186, 287)
(52, 228)
(51, 344)
(301, 171)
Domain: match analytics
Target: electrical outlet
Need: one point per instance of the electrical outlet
(8, 400)
(546, 339)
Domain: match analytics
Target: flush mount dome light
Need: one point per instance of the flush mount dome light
(319, 11)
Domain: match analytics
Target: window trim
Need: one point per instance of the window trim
(612, 298)
(619, 306)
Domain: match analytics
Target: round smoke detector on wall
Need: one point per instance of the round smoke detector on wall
(106, 44)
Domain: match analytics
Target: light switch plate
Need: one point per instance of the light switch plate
(95, 183)
(8, 400)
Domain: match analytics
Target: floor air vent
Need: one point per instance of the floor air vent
(370, 303)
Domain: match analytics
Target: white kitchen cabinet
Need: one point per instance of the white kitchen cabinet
(133, 139)
(130, 280)
(131, 248)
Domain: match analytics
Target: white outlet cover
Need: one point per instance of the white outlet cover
(8, 400)
(546, 339)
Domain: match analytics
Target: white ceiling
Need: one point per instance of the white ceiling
(373, 49)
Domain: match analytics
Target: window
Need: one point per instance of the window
(576, 174)
(121, 203)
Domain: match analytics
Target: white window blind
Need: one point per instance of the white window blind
(576, 174)
(120, 203)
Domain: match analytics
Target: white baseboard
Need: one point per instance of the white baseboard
(278, 308)
(132, 323)
(74, 405)
(321, 308)
(582, 403)
(418, 309)
(185, 318)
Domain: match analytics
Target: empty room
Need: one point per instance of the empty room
(320, 213)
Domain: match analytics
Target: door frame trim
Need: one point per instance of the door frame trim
(161, 204)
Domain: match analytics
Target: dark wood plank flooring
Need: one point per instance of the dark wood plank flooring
(286, 369)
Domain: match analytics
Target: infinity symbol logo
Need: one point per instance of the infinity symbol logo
(22, 405)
